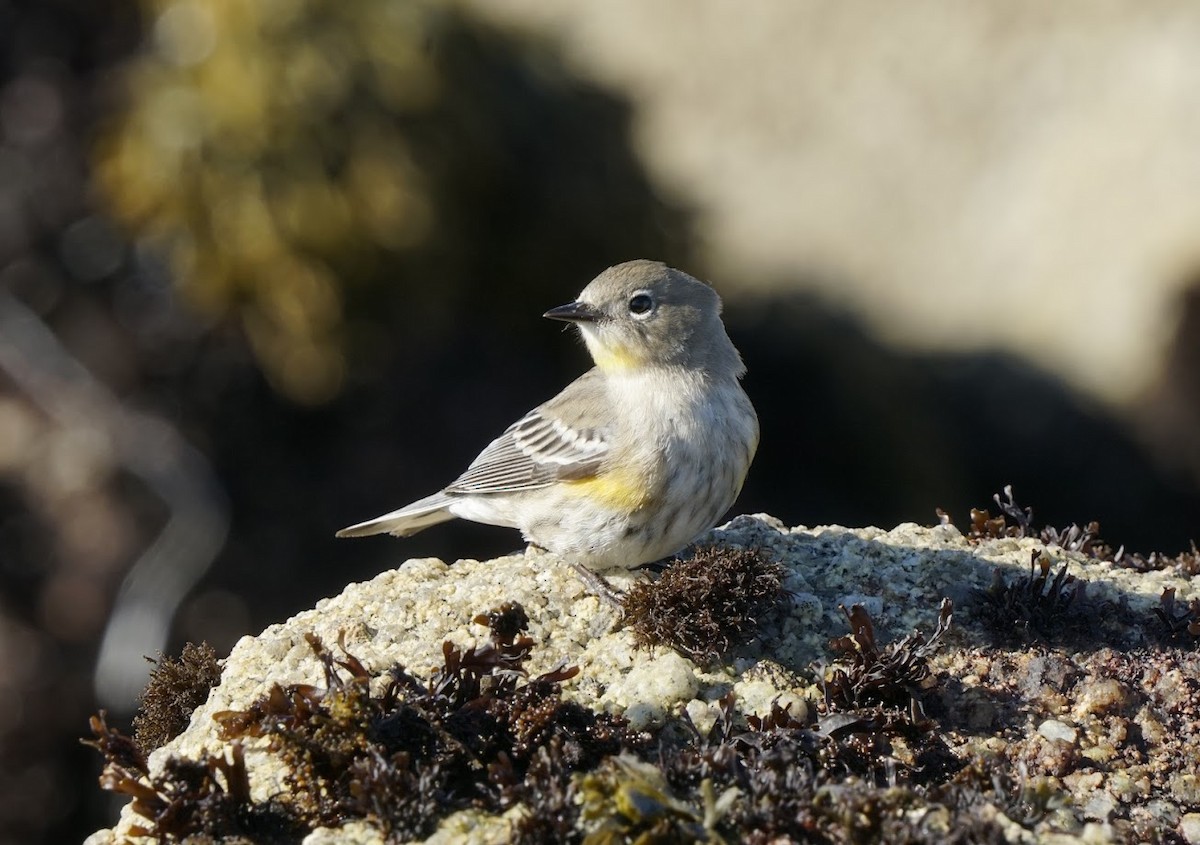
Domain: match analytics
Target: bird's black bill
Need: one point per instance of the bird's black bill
(574, 312)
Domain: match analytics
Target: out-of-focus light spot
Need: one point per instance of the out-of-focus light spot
(90, 249)
(312, 374)
(174, 118)
(300, 297)
(237, 90)
(318, 76)
(95, 536)
(30, 110)
(72, 608)
(18, 430)
(71, 461)
(313, 211)
(272, 138)
(242, 221)
(185, 34)
(385, 192)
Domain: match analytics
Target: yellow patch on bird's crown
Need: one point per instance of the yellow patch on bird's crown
(618, 491)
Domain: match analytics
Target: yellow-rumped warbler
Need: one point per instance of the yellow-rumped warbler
(635, 458)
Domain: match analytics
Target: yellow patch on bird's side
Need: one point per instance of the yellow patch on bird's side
(622, 492)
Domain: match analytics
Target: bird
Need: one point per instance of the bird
(633, 460)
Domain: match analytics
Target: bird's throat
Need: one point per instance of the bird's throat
(613, 358)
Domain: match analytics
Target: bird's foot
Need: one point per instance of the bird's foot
(599, 585)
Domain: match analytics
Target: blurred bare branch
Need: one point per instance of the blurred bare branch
(154, 452)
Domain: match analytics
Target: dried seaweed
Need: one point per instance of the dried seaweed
(894, 675)
(191, 800)
(403, 757)
(629, 800)
(176, 688)
(1040, 606)
(402, 753)
(1180, 622)
(706, 604)
(1086, 539)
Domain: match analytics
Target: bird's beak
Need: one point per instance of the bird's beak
(574, 312)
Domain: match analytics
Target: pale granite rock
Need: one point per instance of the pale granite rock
(1068, 704)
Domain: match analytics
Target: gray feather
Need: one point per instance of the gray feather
(566, 438)
(406, 521)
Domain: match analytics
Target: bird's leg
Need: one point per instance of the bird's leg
(599, 585)
(594, 582)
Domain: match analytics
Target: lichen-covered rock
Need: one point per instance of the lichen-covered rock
(1102, 725)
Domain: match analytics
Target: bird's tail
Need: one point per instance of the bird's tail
(407, 521)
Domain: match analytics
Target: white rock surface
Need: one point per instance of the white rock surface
(403, 616)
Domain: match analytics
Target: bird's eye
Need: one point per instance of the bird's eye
(640, 304)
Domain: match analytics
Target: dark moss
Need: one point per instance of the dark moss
(478, 733)
(831, 776)
(1016, 521)
(1180, 623)
(416, 752)
(893, 675)
(1187, 563)
(507, 622)
(629, 800)
(194, 801)
(780, 779)
(874, 695)
(403, 753)
(1038, 607)
(118, 750)
(551, 810)
(706, 604)
(176, 688)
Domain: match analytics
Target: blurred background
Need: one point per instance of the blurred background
(270, 268)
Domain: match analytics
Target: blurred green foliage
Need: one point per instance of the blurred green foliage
(316, 168)
(241, 153)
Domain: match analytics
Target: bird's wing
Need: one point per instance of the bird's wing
(566, 438)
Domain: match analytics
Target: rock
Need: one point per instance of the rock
(1189, 828)
(1054, 729)
(1007, 703)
